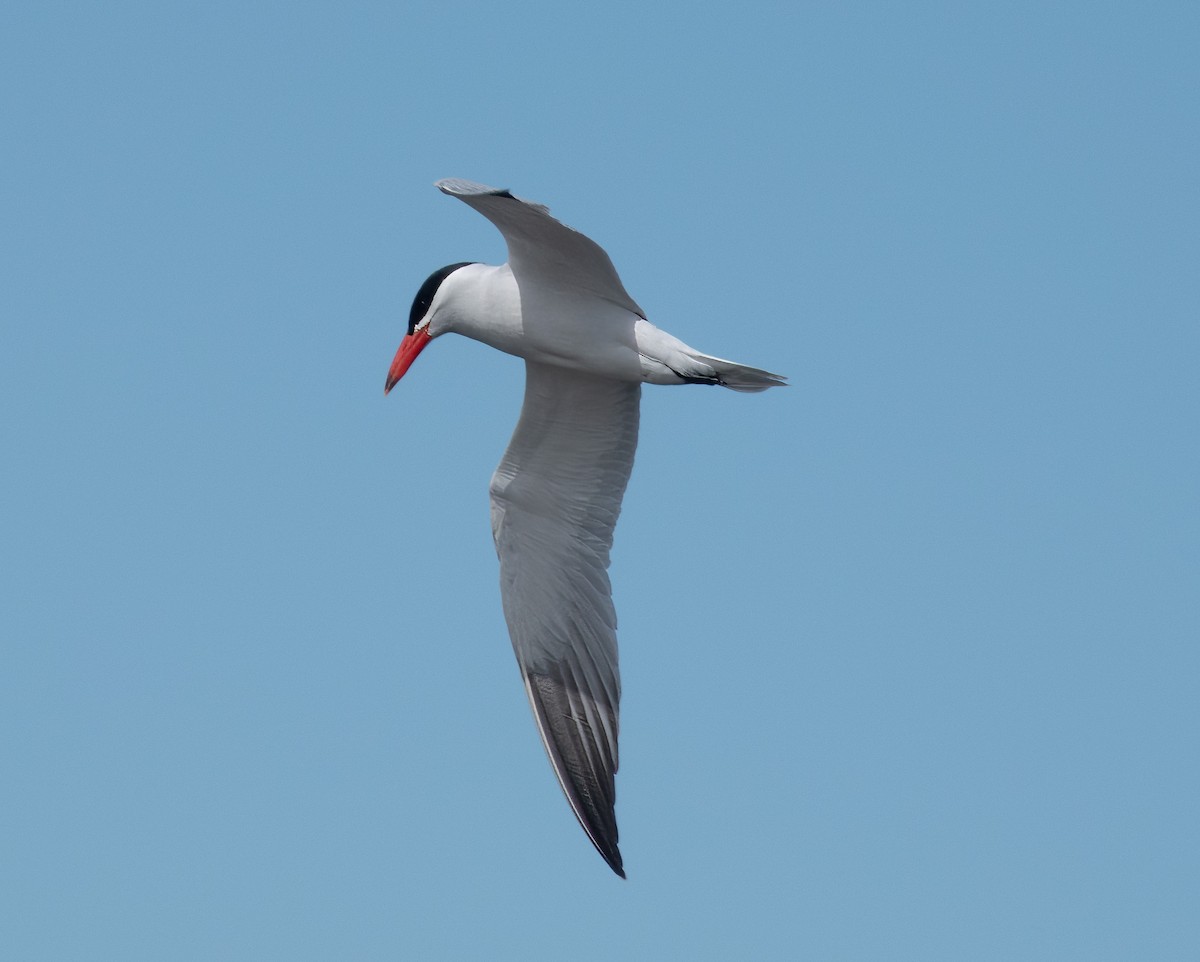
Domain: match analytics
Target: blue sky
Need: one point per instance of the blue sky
(909, 648)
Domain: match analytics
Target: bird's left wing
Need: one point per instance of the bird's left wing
(543, 250)
(555, 500)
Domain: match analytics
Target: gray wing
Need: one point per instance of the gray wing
(555, 500)
(543, 249)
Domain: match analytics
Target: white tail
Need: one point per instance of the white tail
(739, 377)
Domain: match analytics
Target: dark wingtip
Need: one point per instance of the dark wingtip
(606, 845)
(611, 854)
(585, 779)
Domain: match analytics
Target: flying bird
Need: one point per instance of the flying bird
(559, 304)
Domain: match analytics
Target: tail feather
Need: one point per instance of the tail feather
(740, 377)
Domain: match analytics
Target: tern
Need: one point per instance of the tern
(559, 305)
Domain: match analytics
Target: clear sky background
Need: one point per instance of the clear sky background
(909, 648)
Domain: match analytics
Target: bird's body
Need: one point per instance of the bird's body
(559, 304)
(486, 304)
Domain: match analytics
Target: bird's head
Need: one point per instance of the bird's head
(421, 329)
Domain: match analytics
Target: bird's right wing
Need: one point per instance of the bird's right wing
(543, 250)
(555, 500)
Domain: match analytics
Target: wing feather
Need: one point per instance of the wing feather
(555, 500)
